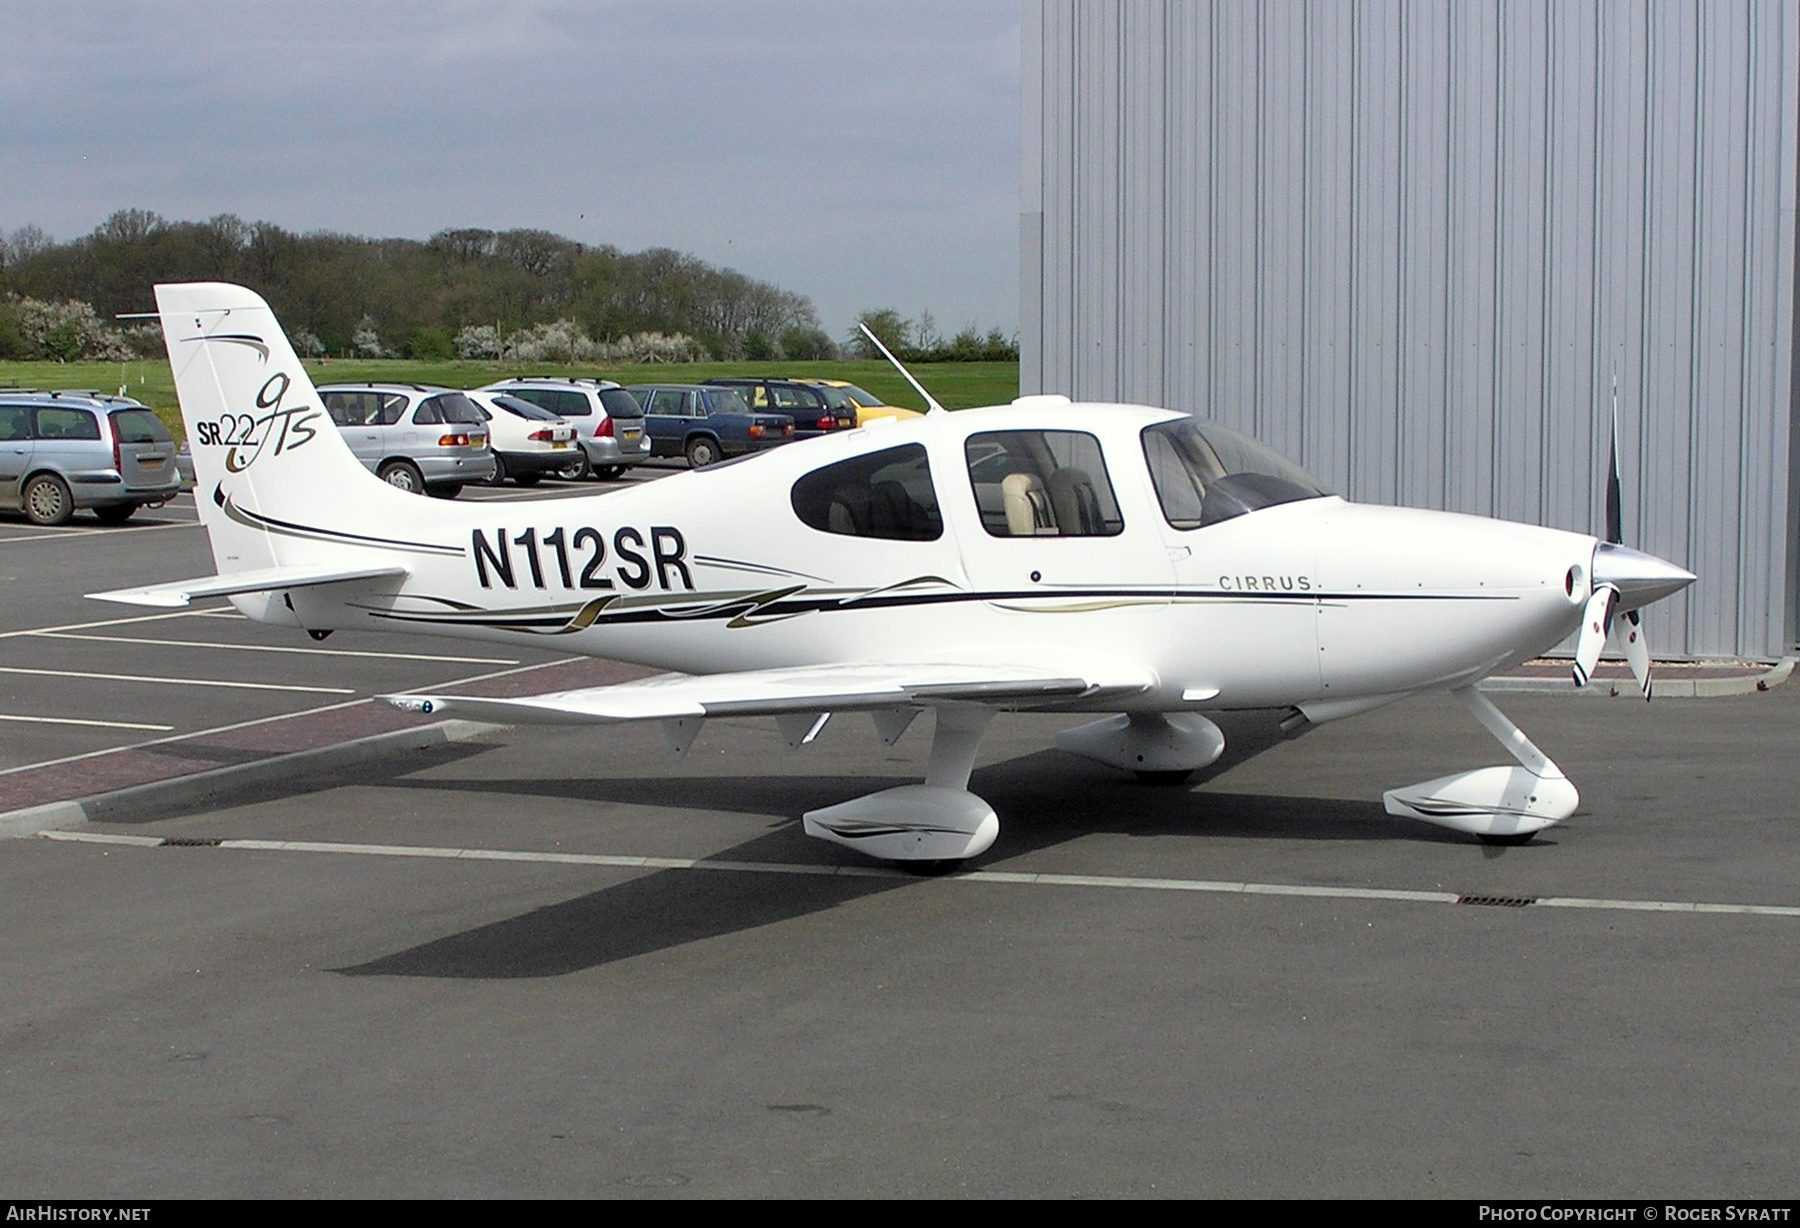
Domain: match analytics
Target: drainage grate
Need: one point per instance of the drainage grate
(191, 842)
(1498, 901)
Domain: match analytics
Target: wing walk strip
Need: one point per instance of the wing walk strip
(1117, 882)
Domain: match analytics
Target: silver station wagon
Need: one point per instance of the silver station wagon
(426, 440)
(60, 451)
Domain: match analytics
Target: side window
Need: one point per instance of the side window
(15, 422)
(429, 413)
(571, 405)
(393, 405)
(787, 397)
(1042, 484)
(664, 402)
(887, 495)
(67, 424)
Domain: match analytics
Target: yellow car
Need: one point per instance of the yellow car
(868, 406)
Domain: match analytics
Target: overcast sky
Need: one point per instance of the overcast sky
(863, 154)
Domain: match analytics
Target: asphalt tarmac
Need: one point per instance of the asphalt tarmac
(565, 963)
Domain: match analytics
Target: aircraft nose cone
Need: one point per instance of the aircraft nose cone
(1640, 578)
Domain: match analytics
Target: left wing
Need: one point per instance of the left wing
(777, 692)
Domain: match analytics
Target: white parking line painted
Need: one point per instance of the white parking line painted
(241, 686)
(311, 652)
(70, 720)
(109, 622)
(1003, 877)
(270, 720)
(84, 531)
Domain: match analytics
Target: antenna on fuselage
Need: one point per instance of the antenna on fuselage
(931, 405)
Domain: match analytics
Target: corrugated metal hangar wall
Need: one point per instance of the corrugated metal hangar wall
(1410, 243)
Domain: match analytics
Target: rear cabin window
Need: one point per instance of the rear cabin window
(886, 494)
(1042, 484)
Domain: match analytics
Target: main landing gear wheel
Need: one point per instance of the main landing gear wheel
(403, 475)
(48, 501)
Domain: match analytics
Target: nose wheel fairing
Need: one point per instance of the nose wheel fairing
(1493, 802)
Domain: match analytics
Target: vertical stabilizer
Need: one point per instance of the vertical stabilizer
(260, 438)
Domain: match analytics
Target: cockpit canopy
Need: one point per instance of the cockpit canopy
(1051, 483)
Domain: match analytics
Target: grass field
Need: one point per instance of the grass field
(958, 385)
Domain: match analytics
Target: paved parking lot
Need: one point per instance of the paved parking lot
(95, 695)
(560, 962)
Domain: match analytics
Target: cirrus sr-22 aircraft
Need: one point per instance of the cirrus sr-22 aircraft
(1045, 556)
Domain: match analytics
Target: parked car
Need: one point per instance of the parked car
(808, 406)
(706, 424)
(608, 424)
(60, 451)
(413, 436)
(866, 405)
(528, 442)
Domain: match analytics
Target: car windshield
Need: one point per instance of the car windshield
(1205, 473)
(524, 409)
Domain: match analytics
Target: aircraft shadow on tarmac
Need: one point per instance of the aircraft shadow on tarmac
(1045, 798)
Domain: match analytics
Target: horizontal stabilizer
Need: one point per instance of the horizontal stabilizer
(268, 579)
(812, 689)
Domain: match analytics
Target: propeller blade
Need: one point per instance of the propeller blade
(1615, 529)
(1596, 621)
(1637, 649)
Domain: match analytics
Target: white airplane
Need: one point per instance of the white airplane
(1042, 556)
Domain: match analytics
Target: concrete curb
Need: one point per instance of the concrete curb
(183, 791)
(1667, 687)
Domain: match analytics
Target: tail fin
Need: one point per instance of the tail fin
(262, 443)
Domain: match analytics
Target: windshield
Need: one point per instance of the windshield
(524, 409)
(1205, 473)
(867, 400)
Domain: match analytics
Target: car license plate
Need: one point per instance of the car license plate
(560, 443)
(631, 434)
(151, 462)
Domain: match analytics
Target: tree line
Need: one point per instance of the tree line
(343, 295)
(528, 295)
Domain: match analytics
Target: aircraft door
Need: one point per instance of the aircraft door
(1046, 528)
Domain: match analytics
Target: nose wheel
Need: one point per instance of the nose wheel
(1501, 805)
